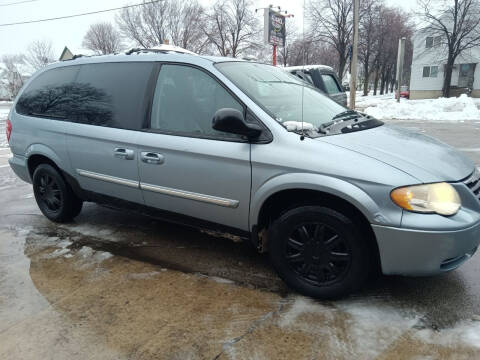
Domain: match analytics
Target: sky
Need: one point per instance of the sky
(70, 32)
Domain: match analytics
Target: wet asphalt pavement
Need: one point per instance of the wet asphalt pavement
(120, 285)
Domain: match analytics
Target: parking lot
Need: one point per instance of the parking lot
(121, 285)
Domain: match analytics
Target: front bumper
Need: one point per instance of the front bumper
(421, 253)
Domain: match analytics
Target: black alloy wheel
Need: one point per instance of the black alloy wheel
(319, 251)
(49, 193)
(54, 196)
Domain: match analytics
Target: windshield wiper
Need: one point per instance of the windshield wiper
(345, 116)
(345, 113)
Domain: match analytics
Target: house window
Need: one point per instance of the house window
(430, 71)
(436, 41)
(429, 42)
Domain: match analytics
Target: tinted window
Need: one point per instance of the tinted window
(51, 94)
(330, 84)
(186, 99)
(113, 94)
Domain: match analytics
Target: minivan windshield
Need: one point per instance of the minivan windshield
(280, 94)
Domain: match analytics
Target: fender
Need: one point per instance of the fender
(334, 186)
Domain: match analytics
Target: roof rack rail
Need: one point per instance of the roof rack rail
(163, 49)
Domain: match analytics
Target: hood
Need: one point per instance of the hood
(421, 156)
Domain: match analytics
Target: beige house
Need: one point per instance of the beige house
(428, 69)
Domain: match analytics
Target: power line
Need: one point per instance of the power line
(77, 15)
(18, 2)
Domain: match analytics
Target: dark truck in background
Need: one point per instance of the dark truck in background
(322, 77)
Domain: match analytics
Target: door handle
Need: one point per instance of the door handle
(152, 158)
(125, 154)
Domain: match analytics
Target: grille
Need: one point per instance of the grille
(473, 183)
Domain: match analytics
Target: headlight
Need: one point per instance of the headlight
(440, 198)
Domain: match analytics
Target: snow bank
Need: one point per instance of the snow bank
(442, 109)
(3, 117)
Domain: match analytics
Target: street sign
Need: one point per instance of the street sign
(274, 30)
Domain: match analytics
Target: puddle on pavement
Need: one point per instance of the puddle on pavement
(63, 295)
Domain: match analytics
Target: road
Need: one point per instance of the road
(119, 285)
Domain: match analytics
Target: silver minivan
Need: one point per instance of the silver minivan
(251, 150)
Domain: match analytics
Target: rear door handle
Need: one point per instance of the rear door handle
(123, 153)
(152, 158)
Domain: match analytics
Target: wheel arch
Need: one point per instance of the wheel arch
(37, 154)
(271, 200)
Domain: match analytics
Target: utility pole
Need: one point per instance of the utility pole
(353, 65)
(400, 60)
(274, 55)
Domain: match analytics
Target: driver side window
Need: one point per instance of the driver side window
(185, 101)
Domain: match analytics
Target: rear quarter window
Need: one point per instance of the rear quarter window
(105, 94)
(49, 94)
(331, 85)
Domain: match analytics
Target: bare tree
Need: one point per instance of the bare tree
(370, 39)
(147, 24)
(181, 22)
(39, 54)
(286, 50)
(102, 38)
(457, 24)
(331, 22)
(233, 27)
(12, 76)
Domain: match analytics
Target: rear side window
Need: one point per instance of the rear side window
(50, 94)
(185, 101)
(113, 94)
(330, 84)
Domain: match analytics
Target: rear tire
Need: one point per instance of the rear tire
(319, 252)
(54, 196)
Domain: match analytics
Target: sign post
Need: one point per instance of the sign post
(274, 30)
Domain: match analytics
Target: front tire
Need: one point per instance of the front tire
(54, 196)
(319, 252)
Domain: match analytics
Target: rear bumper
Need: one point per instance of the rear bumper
(19, 166)
(422, 253)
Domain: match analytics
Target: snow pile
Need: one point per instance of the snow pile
(298, 126)
(443, 109)
(3, 120)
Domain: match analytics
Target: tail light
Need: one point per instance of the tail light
(8, 129)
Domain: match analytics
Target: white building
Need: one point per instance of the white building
(428, 69)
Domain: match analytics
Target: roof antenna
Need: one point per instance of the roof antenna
(302, 137)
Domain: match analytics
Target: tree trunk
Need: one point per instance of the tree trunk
(341, 66)
(382, 83)
(375, 84)
(392, 76)
(448, 77)
(366, 77)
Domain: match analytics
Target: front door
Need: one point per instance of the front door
(185, 166)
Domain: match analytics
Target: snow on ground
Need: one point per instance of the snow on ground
(442, 109)
(4, 110)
